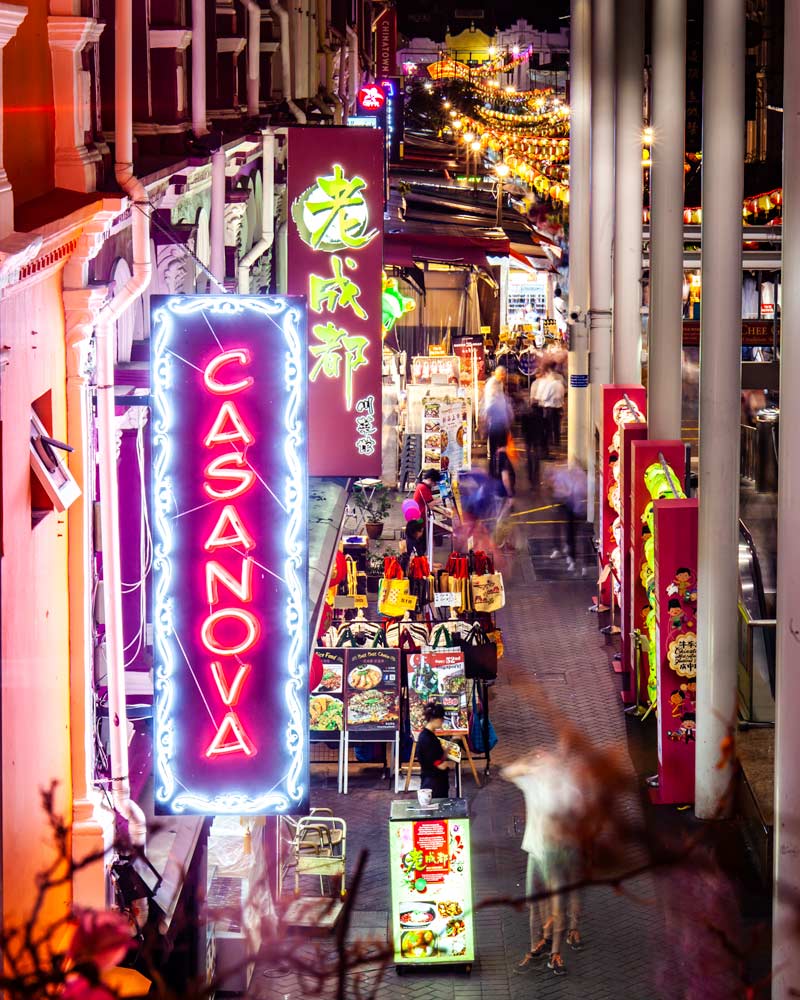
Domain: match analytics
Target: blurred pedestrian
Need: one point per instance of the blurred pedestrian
(569, 489)
(502, 472)
(534, 429)
(498, 413)
(552, 402)
(554, 811)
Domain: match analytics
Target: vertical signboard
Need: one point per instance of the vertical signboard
(230, 554)
(386, 42)
(335, 257)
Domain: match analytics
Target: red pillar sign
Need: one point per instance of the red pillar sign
(230, 556)
(335, 259)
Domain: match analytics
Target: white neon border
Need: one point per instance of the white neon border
(291, 792)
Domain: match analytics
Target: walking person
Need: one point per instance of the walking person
(553, 812)
(535, 430)
(569, 490)
(552, 401)
(504, 476)
(498, 413)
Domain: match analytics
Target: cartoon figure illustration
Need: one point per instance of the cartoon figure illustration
(687, 731)
(676, 613)
(682, 579)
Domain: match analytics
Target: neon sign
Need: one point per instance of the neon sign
(335, 259)
(230, 554)
(371, 97)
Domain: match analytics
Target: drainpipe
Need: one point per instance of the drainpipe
(267, 213)
(299, 35)
(199, 114)
(353, 74)
(343, 77)
(323, 46)
(217, 226)
(253, 57)
(106, 429)
(286, 67)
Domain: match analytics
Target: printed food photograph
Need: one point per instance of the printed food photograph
(418, 944)
(364, 678)
(417, 916)
(451, 908)
(331, 679)
(372, 707)
(326, 712)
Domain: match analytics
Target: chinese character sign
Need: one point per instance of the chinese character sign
(230, 556)
(335, 256)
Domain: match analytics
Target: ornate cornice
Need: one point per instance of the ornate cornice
(81, 309)
(73, 33)
(11, 17)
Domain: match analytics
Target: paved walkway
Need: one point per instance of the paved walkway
(640, 940)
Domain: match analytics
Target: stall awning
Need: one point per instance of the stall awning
(405, 248)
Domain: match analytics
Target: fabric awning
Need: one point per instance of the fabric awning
(406, 247)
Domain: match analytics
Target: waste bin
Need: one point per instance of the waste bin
(767, 447)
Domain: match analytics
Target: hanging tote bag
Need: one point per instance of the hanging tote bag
(408, 635)
(488, 592)
(394, 598)
(480, 655)
(476, 727)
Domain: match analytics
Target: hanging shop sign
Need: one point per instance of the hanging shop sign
(335, 257)
(386, 42)
(230, 558)
(371, 98)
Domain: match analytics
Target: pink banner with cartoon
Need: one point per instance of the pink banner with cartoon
(676, 643)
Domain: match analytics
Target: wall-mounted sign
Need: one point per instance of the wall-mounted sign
(335, 254)
(230, 554)
(371, 97)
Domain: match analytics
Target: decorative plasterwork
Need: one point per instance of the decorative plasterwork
(16, 250)
(170, 38)
(11, 17)
(235, 224)
(81, 308)
(232, 45)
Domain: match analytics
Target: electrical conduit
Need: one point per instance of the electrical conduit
(109, 490)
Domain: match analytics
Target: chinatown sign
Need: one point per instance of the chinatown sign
(335, 258)
(386, 42)
(230, 554)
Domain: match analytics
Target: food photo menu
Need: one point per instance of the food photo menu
(432, 919)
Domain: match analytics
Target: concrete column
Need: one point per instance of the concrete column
(602, 201)
(11, 17)
(666, 220)
(785, 953)
(628, 195)
(720, 390)
(579, 153)
(253, 57)
(217, 267)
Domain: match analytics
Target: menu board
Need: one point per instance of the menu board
(359, 691)
(438, 677)
(470, 350)
(432, 919)
(326, 700)
(373, 693)
(456, 423)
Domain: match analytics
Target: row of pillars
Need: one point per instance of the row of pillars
(605, 262)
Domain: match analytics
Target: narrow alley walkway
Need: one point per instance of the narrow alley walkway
(556, 671)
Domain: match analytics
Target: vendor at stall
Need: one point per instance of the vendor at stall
(424, 496)
(431, 754)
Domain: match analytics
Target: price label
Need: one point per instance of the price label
(447, 599)
(408, 602)
(343, 602)
(360, 601)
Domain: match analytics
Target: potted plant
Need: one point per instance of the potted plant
(375, 506)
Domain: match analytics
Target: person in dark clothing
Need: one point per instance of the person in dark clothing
(430, 753)
(415, 537)
(501, 469)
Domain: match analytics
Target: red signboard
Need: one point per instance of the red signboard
(230, 556)
(628, 434)
(755, 332)
(335, 259)
(386, 43)
(432, 842)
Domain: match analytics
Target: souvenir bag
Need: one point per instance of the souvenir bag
(480, 655)
(476, 727)
(495, 635)
(330, 637)
(393, 598)
(441, 635)
(488, 592)
(407, 635)
(359, 633)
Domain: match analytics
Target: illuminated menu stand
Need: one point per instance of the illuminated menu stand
(430, 865)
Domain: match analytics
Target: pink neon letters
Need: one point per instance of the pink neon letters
(230, 631)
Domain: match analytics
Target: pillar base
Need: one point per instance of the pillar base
(6, 205)
(92, 839)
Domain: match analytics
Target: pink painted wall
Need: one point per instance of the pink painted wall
(34, 698)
